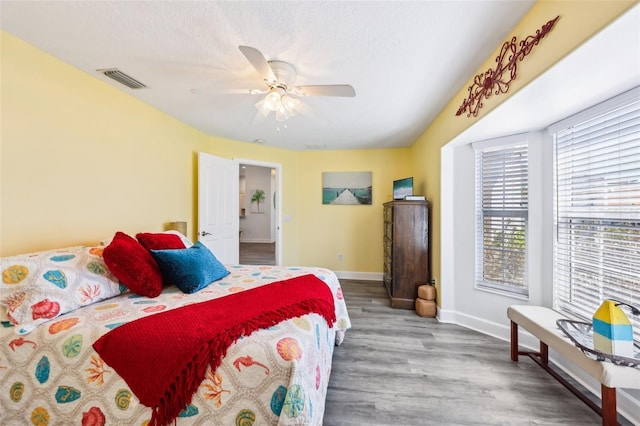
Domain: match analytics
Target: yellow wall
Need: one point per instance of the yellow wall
(579, 20)
(81, 160)
(353, 231)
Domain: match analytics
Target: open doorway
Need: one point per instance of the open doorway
(259, 213)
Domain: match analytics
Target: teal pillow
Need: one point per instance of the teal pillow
(190, 269)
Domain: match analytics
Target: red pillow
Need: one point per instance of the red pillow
(160, 241)
(133, 265)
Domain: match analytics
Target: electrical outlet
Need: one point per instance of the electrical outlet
(340, 256)
(433, 281)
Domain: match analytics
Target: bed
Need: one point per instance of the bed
(50, 372)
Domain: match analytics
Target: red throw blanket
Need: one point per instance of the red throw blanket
(164, 357)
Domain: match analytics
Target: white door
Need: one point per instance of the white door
(218, 216)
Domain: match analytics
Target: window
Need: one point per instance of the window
(597, 207)
(502, 215)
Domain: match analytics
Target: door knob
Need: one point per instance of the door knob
(205, 233)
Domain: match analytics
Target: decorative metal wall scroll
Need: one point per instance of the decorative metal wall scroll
(499, 80)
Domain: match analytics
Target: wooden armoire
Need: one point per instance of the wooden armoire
(406, 250)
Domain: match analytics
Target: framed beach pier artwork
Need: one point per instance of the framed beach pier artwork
(346, 188)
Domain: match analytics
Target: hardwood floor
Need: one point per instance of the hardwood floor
(257, 253)
(396, 368)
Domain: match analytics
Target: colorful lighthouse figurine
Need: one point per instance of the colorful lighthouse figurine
(612, 330)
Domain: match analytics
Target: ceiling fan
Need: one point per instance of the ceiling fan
(281, 93)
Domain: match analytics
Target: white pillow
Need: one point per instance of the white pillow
(38, 287)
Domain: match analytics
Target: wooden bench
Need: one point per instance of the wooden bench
(541, 322)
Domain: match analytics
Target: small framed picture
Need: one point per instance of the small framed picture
(258, 200)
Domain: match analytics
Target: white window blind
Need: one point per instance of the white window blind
(501, 218)
(597, 208)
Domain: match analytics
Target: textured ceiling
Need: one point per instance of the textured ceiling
(404, 59)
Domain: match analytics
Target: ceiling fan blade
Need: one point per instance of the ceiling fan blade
(256, 58)
(342, 90)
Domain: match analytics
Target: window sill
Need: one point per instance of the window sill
(502, 292)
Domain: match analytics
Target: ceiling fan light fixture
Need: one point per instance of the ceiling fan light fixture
(279, 78)
(262, 108)
(287, 108)
(290, 104)
(279, 102)
(282, 114)
(273, 100)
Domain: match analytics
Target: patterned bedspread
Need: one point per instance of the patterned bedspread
(275, 376)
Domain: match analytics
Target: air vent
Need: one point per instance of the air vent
(122, 78)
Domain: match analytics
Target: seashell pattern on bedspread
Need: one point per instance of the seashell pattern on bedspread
(275, 376)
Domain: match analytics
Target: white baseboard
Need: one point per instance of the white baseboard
(483, 326)
(446, 316)
(257, 240)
